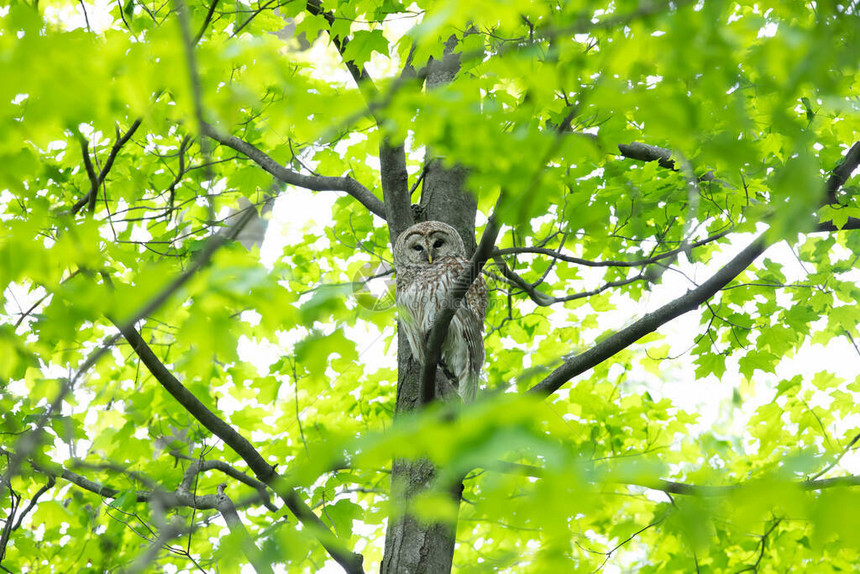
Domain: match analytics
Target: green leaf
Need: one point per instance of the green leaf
(710, 363)
(757, 360)
(362, 44)
(282, 356)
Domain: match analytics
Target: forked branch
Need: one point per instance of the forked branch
(651, 322)
(350, 561)
(311, 182)
(96, 181)
(691, 300)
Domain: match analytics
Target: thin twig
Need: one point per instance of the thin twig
(555, 254)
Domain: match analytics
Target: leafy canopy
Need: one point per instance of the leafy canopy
(122, 157)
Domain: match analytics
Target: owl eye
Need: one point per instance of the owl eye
(439, 243)
(417, 247)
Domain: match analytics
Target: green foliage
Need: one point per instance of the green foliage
(757, 103)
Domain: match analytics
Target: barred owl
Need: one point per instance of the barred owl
(428, 257)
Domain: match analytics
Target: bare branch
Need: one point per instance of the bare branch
(837, 179)
(29, 442)
(89, 485)
(848, 447)
(359, 75)
(86, 16)
(691, 300)
(312, 182)
(181, 497)
(181, 11)
(545, 300)
(650, 322)
(144, 560)
(180, 173)
(350, 562)
(91, 173)
(33, 501)
(530, 290)
(556, 254)
(199, 466)
(251, 17)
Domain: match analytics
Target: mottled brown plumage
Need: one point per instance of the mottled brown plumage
(428, 258)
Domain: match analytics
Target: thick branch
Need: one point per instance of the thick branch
(644, 152)
(175, 499)
(234, 523)
(663, 156)
(393, 175)
(392, 157)
(650, 322)
(452, 302)
(828, 227)
(843, 171)
(266, 473)
(312, 182)
(395, 188)
(673, 487)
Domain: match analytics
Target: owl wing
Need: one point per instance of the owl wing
(473, 336)
(476, 299)
(469, 326)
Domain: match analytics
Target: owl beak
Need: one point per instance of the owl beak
(430, 256)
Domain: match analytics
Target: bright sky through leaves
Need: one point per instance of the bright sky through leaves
(672, 342)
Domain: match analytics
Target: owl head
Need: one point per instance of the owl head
(426, 242)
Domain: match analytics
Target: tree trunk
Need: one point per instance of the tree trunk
(412, 546)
